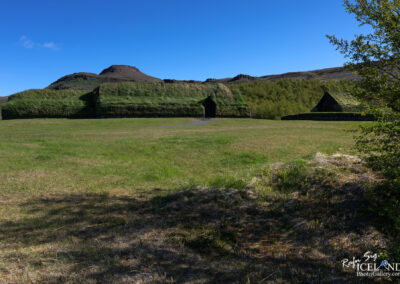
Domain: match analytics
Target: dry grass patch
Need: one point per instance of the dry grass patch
(261, 234)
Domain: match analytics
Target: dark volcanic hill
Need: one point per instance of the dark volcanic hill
(89, 81)
(127, 73)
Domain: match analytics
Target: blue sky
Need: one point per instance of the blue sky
(41, 41)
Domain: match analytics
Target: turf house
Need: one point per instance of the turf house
(337, 102)
(129, 99)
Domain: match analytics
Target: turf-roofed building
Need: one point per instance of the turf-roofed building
(129, 99)
(165, 100)
(338, 102)
(48, 103)
(335, 106)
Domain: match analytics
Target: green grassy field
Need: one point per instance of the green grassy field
(131, 155)
(83, 201)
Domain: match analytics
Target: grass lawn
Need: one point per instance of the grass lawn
(139, 155)
(84, 200)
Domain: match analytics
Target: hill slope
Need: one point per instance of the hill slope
(121, 73)
(89, 81)
(126, 73)
(328, 74)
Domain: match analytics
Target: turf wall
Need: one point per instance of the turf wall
(330, 116)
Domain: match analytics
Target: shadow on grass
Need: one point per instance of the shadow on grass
(194, 236)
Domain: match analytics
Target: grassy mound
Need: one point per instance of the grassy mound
(49, 103)
(330, 116)
(274, 99)
(161, 99)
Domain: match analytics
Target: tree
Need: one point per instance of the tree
(375, 57)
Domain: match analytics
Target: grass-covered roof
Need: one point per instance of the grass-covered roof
(164, 99)
(338, 101)
(345, 99)
(49, 103)
(47, 94)
(176, 93)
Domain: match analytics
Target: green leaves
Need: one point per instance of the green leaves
(376, 57)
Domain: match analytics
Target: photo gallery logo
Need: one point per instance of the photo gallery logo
(369, 266)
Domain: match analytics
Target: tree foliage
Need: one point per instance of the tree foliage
(376, 57)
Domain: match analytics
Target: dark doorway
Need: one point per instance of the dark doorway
(210, 107)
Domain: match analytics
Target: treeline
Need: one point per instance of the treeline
(274, 99)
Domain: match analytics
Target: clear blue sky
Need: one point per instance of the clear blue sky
(41, 41)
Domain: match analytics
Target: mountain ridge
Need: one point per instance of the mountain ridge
(326, 74)
(120, 73)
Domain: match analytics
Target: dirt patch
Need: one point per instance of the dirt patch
(192, 123)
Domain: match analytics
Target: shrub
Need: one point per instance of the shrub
(292, 177)
(375, 56)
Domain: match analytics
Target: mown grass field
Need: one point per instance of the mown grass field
(132, 155)
(93, 200)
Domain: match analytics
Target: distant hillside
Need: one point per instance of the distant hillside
(3, 99)
(89, 81)
(328, 74)
(122, 73)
